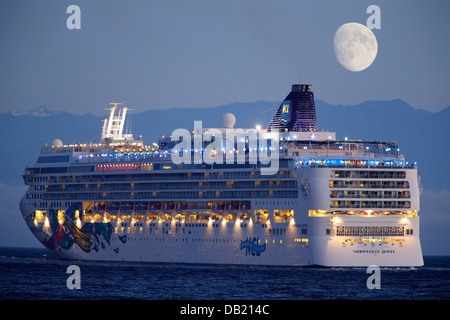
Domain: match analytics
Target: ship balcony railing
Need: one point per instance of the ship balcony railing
(113, 178)
(315, 164)
(128, 188)
(356, 196)
(176, 195)
(355, 184)
(374, 174)
(342, 147)
(371, 205)
(355, 166)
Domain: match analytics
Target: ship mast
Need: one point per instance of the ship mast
(112, 130)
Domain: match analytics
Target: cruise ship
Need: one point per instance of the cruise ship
(305, 199)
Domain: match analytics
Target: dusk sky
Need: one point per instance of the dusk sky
(163, 54)
(185, 54)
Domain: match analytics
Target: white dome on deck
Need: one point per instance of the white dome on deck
(228, 120)
(56, 143)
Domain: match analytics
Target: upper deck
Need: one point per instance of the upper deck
(305, 153)
(119, 151)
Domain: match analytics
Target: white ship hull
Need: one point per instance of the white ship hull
(207, 246)
(301, 241)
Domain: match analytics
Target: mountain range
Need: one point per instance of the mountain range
(422, 136)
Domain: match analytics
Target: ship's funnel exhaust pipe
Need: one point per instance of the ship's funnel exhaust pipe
(297, 112)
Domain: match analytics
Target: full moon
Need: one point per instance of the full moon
(355, 46)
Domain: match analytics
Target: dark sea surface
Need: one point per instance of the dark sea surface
(32, 273)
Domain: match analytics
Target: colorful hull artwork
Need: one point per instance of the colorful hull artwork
(91, 236)
(251, 247)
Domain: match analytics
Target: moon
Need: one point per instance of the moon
(355, 46)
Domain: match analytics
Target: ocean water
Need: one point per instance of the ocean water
(34, 274)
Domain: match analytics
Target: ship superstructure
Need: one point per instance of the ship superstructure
(331, 202)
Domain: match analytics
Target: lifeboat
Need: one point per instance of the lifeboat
(99, 208)
(154, 207)
(113, 207)
(180, 207)
(126, 207)
(141, 207)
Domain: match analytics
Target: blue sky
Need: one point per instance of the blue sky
(162, 54)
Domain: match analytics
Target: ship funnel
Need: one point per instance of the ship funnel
(297, 112)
